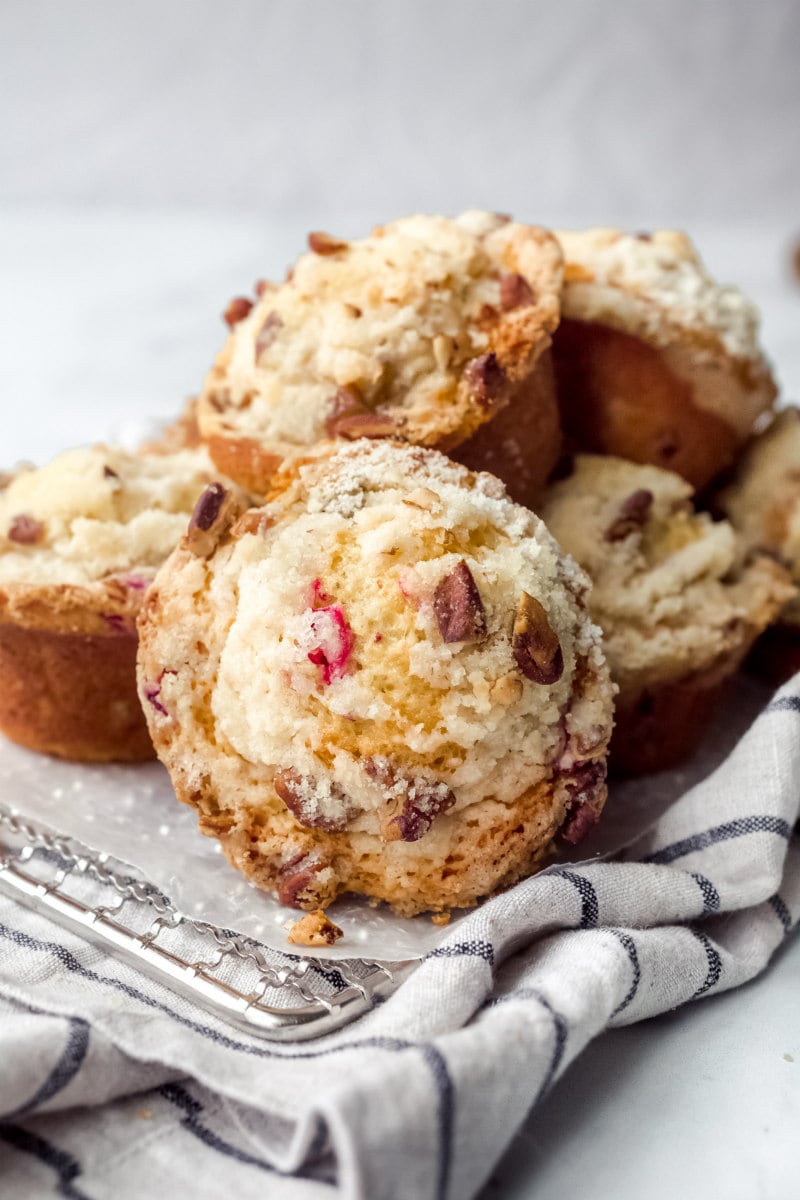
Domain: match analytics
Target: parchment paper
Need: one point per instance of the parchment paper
(131, 813)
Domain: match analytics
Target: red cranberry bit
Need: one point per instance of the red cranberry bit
(208, 507)
(485, 378)
(25, 530)
(237, 310)
(268, 333)
(261, 286)
(335, 642)
(323, 243)
(633, 514)
(458, 607)
(319, 597)
(152, 691)
(537, 650)
(515, 292)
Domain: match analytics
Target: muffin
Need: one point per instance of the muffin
(428, 330)
(383, 681)
(762, 502)
(655, 362)
(678, 606)
(80, 540)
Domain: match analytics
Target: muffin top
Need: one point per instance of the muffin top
(390, 616)
(418, 331)
(653, 284)
(669, 587)
(763, 500)
(94, 512)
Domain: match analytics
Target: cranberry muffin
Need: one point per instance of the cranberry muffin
(762, 502)
(384, 681)
(431, 330)
(655, 361)
(80, 540)
(678, 605)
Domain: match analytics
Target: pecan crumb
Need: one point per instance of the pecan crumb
(25, 530)
(110, 473)
(442, 918)
(345, 402)
(237, 310)
(323, 243)
(442, 347)
(314, 929)
(515, 292)
(366, 424)
(537, 650)
(301, 795)
(632, 515)
(485, 378)
(267, 333)
(214, 512)
(458, 607)
(413, 802)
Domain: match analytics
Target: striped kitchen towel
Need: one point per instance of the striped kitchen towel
(112, 1086)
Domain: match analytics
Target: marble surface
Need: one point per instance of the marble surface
(110, 316)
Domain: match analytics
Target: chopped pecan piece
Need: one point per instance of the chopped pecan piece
(314, 929)
(346, 402)
(25, 530)
(296, 879)
(110, 473)
(267, 333)
(458, 607)
(237, 310)
(535, 643)
(586, 786)
(312, 804)
(485, 378)
(323, 243)
(213, 514)
(366, 424)
(413, 801)
(632, 515)
(515, 292)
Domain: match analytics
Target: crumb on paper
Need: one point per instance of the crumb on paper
(144, 1114)
(314, 929)
(442, 918)
(788, 1057)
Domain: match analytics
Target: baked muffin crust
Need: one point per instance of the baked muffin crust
(396, 667)
(421, 331)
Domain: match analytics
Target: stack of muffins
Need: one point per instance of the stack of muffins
(363, 658)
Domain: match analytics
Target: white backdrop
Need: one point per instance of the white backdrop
(607, 110)
(157, 156)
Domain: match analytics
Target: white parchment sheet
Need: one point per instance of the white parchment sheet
(131, 813)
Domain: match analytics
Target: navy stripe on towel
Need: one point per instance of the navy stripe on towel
(636, 972)
(65, 1166)
(711, 900)
(784, 704)
(740, 827)
(779, 907)
(714, 973)
(192, 1109)
(590, 907)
